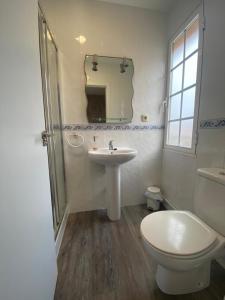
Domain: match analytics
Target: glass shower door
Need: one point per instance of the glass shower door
(49, 66)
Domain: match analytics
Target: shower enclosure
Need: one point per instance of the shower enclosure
(52, 136)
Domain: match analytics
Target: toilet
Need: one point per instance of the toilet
(182, 243)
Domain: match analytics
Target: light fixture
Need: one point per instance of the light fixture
(123, 65)
(95, 63)
(81, 39)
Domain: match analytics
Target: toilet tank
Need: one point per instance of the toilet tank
(209, 199)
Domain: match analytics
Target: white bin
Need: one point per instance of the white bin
(154, 198)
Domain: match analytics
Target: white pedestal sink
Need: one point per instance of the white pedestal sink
(112, 159)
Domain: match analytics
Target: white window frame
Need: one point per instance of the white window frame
(198, 13)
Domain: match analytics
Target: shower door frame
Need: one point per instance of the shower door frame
(48, 124)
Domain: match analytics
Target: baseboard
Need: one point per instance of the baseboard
(74, 210)
(168, 205)
(61, 231)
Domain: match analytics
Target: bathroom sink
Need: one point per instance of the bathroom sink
(104, 156)
(112, 159)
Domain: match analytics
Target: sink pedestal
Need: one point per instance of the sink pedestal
(113, 192)
(112, 159)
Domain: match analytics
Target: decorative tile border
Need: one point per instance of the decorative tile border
(86, 127)
(212, 124)
(204, 124)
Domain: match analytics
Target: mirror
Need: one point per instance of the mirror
(109, 89)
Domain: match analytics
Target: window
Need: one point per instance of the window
(184, 88)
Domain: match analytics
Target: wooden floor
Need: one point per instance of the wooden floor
(102, 260)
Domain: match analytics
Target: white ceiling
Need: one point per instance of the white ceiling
(159, 5)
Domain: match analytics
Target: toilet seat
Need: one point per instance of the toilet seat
(178, 233)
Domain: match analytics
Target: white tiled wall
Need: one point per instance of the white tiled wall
(112, 30)
(86, 180)
(179, 171)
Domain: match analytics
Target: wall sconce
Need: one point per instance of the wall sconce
(123, 65)
(95, 63)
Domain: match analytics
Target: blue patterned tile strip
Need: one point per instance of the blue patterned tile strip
(71, 127)
(204, 124)
(212, 124)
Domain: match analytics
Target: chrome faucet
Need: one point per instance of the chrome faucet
(111, 145)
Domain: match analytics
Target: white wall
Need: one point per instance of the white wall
(111, 30)
(27, 253)
(178, 175)
(178, 15)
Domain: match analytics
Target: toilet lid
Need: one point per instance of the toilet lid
(177, 232)
(153, 189)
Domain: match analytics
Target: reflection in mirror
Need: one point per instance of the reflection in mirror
(109, 89)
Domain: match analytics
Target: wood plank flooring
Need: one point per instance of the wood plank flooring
(103, 260)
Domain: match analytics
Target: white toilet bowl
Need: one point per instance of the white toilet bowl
(183, 246)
